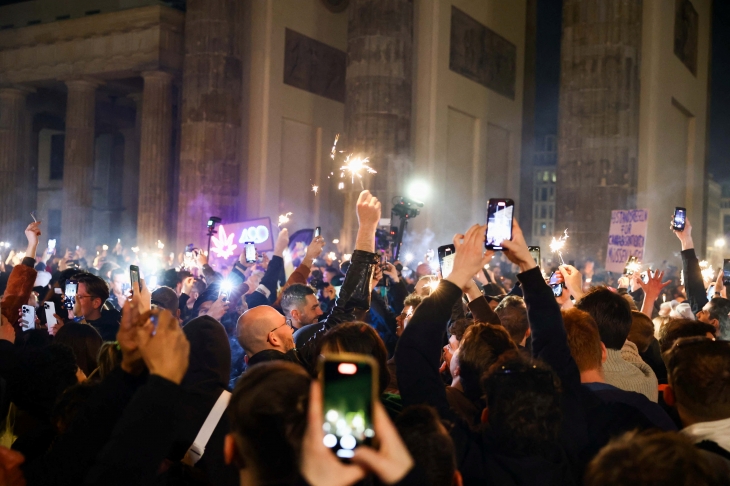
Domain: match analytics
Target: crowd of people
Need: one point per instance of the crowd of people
(483, 377)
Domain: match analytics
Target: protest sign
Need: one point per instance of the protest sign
(626, 237)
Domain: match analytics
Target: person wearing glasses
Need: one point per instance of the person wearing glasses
(90, 298)
(266, 335)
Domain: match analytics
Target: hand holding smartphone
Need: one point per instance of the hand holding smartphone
(250, 249)
(349, 388)
(447, 253)
(134, 276)
(70, 294)
(680, 217)
(499, 222)
(726, 272)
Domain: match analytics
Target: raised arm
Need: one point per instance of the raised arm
(549, 339)
(418, 355)
(693, 283)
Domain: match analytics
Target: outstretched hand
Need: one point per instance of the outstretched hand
(32, 233)
(470, 256)
(516, 249)
(368, 216)
(573, 280)
(654, 287)
(282, 242)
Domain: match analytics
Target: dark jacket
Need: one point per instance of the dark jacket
(74, 453)
(207, 377)
(694, 286)
(354, 294)
(107, 324)
(479, 459)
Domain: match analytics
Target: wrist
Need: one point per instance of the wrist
(527, 265)
(687, 244)
(308, 262)
(460, 279)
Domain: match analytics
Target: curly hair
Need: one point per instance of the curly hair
(523, 398)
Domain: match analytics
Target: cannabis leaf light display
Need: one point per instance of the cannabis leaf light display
(223, 245)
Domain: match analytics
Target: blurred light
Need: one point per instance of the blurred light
(329, 440)
(720, 243)
(348, 442)
(105, 247)
(160, 244)
(409, 257)
(332, 415)
(418, 190)
(346, 256)
(335, 242)
(135, 249)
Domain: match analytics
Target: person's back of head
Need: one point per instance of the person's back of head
(698, 371)
(611, 313)
(70, 404)
(268, 415)
(413, 300)
(510, 301)
(85, 341)
(166, 298)
(514, 318)
(523, 404)
(50, 370)
(210, 355)
(459, 327)
(110, 357)
(294, 297)
(642, 330)
(429, 443)
(479, 349)
(583, 339)
(680, 328)
(651, 459)
(359, 338)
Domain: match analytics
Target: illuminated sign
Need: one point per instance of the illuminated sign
(227, 243)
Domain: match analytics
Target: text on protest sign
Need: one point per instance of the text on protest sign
(626, 237)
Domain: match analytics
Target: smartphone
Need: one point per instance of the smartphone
(711, 292)
(349, 388)
(535, 254)
(630, 266)
(499, 222)
(556, 285)
(27, 321)
(447, 253)
(50, 308)
(680, 215)
(134, 276)
(726, 271)
(317, 231)
(250, 249)
(70, 293)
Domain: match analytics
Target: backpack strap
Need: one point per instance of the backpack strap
(197, 450)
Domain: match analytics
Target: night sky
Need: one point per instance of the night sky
(549, 16)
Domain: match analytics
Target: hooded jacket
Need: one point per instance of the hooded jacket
(207, 377)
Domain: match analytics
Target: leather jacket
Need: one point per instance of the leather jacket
(354, 294)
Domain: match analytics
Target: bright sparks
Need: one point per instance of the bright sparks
(633, 267)
(284, 218)
(315, 189)
(334, 147)
(708, 273)
(332, 255)
(557, 245)
(160, 245)
(341, 185)
(355, 166)
(346, 257)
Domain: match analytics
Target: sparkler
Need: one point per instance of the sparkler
(32, 215)
(346, 257)
(341, 185)
(355, 166)
(334, 147)
(315, 189)
(284, 218)
(160, 245)
(557, 245)
(332, 255)
(708, 273)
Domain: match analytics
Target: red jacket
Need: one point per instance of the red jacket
(17, 293)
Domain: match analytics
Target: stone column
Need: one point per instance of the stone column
(78, 171)
(211, 117)
(378, 93)
(155, 161)
(130, 175)
(598, 139)
(12, 162)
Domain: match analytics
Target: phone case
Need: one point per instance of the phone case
(50, 309)
(28, 317)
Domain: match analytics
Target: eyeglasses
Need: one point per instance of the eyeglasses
(78, 296)
(287, 322)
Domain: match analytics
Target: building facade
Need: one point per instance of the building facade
(139, 119)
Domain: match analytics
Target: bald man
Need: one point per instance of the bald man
(266, 335)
